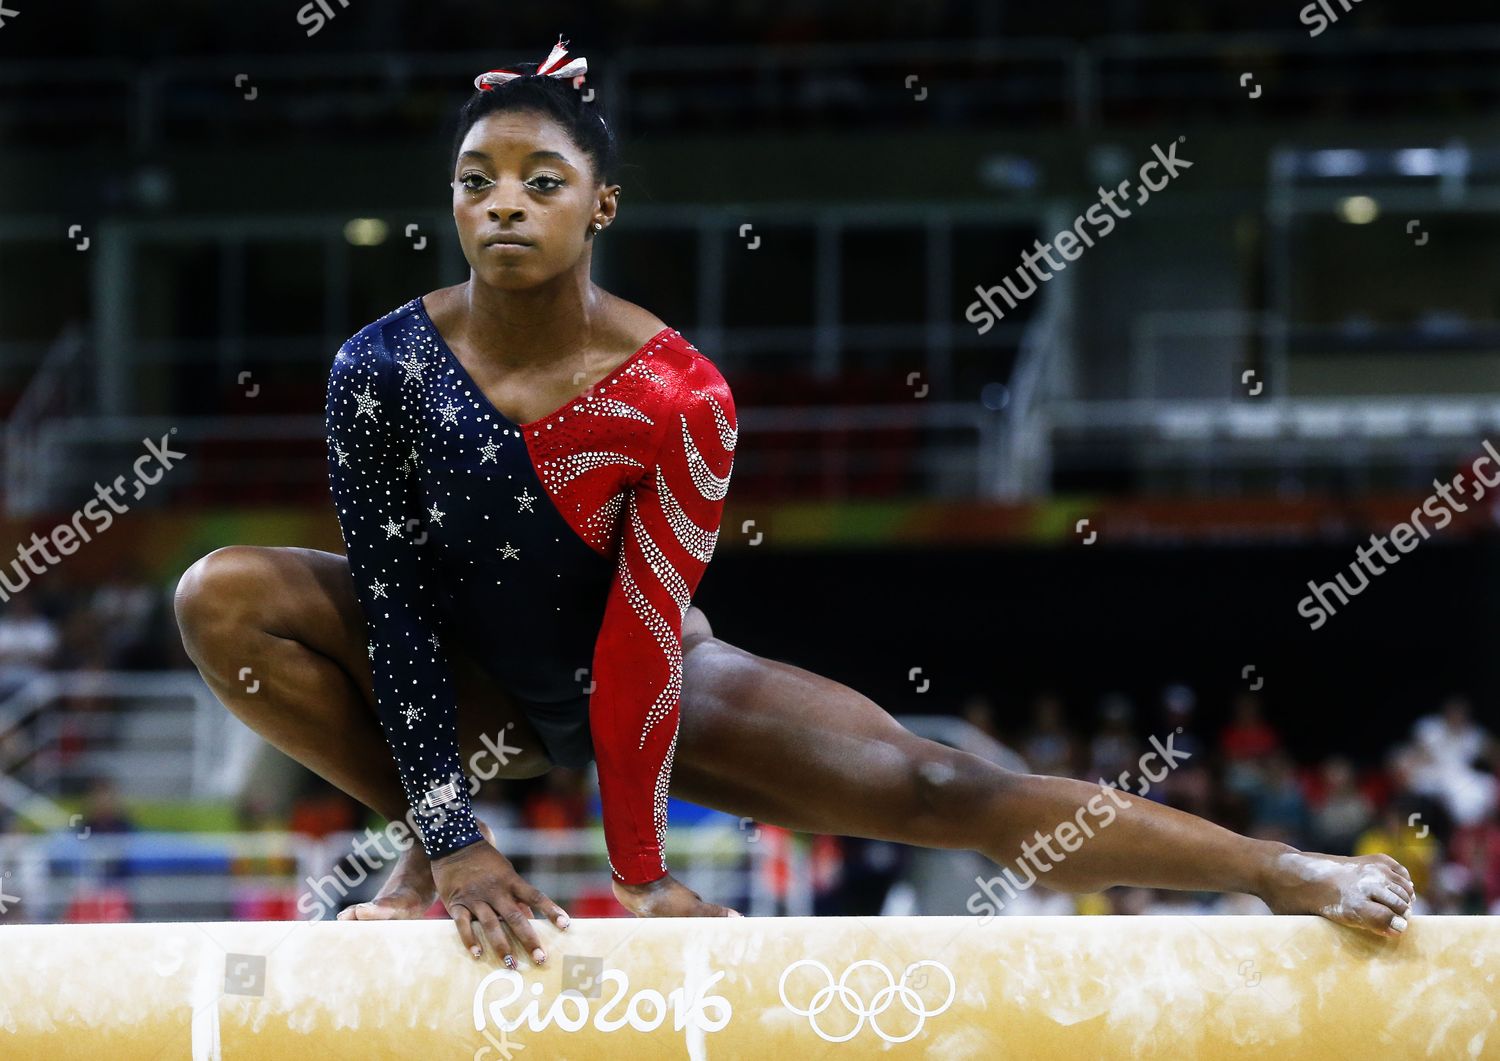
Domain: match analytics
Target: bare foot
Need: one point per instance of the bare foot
(409, 892)
(1370, 892)
(667, 897)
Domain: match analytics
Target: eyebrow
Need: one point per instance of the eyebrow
(535, 154)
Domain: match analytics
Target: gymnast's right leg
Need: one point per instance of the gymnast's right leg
(291, 616)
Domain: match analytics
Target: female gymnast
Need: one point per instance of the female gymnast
(529, 473)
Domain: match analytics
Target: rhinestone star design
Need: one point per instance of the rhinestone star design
(450, 413)
(368, 403)
(434, 640)
(507, 553)
(340, 452)
(489, 449)
(378, 588)
(413, 369)
(411, 714)
(436, 515)
(391, 528)
(371, 647)
(525, 497)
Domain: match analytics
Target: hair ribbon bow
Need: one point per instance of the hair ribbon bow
(552, 66)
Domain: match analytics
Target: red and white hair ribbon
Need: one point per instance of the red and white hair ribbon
(552, 66)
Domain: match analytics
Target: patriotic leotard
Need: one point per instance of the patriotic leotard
(561, 553)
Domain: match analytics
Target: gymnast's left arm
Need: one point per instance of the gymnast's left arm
(670, 528)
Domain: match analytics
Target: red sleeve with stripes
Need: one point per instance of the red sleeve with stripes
(670, 528)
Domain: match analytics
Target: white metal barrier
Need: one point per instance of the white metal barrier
(158, 876)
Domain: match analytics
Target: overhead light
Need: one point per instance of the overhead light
(1359, 209)
(366, 231)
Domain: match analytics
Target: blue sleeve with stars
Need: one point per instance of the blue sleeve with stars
(369, 479)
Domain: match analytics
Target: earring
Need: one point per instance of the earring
(598, 227)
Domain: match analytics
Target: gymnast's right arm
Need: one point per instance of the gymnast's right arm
(413, 688)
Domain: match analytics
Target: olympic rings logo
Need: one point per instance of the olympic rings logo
(824, 996)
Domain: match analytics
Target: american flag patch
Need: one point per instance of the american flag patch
(442, 794)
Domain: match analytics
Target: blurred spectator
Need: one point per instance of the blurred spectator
(103, 815)
(1115, 747)
(1449, 745)
(1280, 804)
(979, 711)
(1342, 812)
(1248, 736)
(102, 810)
(1179, 707)
(1452, 735)
(1190, 786)
(1244, 745)
(1049, 746)
(1408, 767)
(28, 643)
(1476, 849)
(1412, 845)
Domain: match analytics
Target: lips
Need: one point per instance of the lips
(507, 241)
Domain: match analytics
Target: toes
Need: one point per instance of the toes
(1392, 897)
(1375, 917)
(1402, 886)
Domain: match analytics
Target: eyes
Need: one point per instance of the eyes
(477, 183)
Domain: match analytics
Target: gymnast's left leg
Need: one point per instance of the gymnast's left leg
(784, 746)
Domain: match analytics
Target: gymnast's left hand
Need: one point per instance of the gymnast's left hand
(667, 897)
(478, 883)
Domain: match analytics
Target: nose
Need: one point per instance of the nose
(505, 202)
(503, 213)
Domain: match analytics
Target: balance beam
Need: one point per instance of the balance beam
(939, 987)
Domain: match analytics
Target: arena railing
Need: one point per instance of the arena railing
(180, 876)
(213, 749)
(929, 364)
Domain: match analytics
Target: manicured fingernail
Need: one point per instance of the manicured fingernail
(475, 951)
(510, 963)
(563, 921)
(1398, 923)
(735, 913)
(539, 955)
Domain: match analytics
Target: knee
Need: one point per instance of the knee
(218, 596)
(695, 627)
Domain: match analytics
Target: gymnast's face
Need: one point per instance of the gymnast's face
(519, 176)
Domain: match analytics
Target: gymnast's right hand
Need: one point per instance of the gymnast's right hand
(478, 883)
